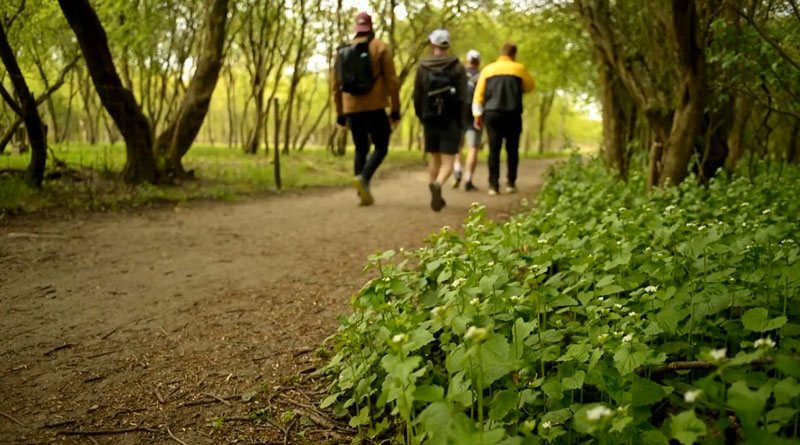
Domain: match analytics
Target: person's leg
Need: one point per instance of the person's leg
(513, 132)
(457, 164)
(360, 131)
(380, 131)
(493, 131)
(446, 168)
(434, 165)
(473, 138)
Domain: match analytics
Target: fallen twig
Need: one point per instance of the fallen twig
(8, 416)
(212, 400)
(102, 354)
(107, 432)
(110, 333)
(175, 438)
(160, 398)
(220, 399)
(58, 348)
(58, 424)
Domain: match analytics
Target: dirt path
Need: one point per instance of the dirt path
(140, 320)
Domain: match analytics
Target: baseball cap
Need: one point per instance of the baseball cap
(440, 38)
(363, 22)
(473, 56)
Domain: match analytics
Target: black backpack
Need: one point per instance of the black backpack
(439, 98)
(354, 68)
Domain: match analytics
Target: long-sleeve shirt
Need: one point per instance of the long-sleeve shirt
(501, 86)
(385, 92)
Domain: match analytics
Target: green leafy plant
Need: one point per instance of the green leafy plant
(602, 315)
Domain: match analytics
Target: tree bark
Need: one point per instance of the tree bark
(179, 135)
(614, 120)
(296, 75)
(744, 109)
(691, 94)
(140, 163)
(793, 151)
(30, 114)
(545, 105)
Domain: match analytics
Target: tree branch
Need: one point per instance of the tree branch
(10, 100)
(784, 55)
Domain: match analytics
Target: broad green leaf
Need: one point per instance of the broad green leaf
(747, 404)
(627, 360)
(654, 437)
(416, 339)
(574, 381)
(502, 403)
(646, 392)
(786, 390)
(429, 393)
(686, 428)
(756, 319)
(668, 319)
(605, 281)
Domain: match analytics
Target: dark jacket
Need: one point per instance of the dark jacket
(447, 64)
(501, 86)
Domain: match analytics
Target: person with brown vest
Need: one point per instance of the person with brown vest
(364, 85)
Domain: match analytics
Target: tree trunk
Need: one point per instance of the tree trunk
(545, 106)
(179, 135)
(296, 73)
(744, 109)
(30, 114)
(614, 121)
(793, 151)
(140, 164)
(691, 94)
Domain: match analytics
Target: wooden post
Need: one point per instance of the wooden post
(277, 160)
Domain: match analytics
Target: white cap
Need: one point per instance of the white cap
(473, 56)
(440, 38)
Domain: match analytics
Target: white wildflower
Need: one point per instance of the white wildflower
(490, 264)
(632, 314)
(622, 209)
(619, 243)
(718, 354)
(515, 298)
(598, 412)
(542, 241)
(669, 208)
(617, 306)
(602, 338)
(438, 311)
(766, 343)
(701, 228)
(547, 424)
(477, 334)
(600, 299)
(459, 281)
(651, 289)
(766, 212)
(628, 338)
(618, 334)
(475, 301)
(399, 338)
(744, 204)
(744, 224)
(692, 395)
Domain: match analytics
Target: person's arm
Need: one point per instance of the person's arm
(478, 99)
(392, 85)
(337, 94)
(528, 84)
(418, 93)
(462, 89)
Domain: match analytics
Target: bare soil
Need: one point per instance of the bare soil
(164, 321)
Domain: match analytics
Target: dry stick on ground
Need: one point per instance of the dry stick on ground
(7, 416)
(107, 432)
(60, 423)
(175, 438)
(220, 399)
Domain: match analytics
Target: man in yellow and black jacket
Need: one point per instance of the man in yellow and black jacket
(497, 104)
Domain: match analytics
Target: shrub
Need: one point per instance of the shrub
(602, 315)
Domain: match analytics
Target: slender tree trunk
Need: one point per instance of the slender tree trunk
(176, 140)
(296, 73)
(614, 122)
(793, 151)
(744, 109)
(29, 112)
(545, 106)
(140, 165)
(691, 95)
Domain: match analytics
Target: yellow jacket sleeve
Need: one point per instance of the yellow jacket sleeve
(478, 96)
(528, 84)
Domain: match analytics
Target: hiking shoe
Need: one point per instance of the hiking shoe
(470, 187)
(510, 189)
(493, 191)
(456, 179)
(436, 196)
(362, 186)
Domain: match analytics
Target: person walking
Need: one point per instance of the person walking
(497, 104)
(440, 98)
(364, 85)
(472, 135)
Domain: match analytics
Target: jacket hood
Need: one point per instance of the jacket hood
(439, 62)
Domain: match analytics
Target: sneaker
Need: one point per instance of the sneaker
(362, 187)
(493, 191)
(510, 189)
(456, 179)
(436, 196)
(470, 187)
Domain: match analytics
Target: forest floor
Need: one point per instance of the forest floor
(198, 323)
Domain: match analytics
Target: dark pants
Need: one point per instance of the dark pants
(366, 126)
(503, 125)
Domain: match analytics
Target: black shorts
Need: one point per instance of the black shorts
(444, 138)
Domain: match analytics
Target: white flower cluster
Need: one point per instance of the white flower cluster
(598, 412)
(718, 354)
(475, 301)
(438, 311)
(765, 343)
(766, 212)
(651, 289)
(670, 208)
(399, 338)
(474, 333)
(692, 395)
(628, 338)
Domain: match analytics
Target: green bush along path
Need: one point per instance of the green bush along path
(603, 315)
(126, 318)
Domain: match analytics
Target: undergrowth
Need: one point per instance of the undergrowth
(603, 315)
